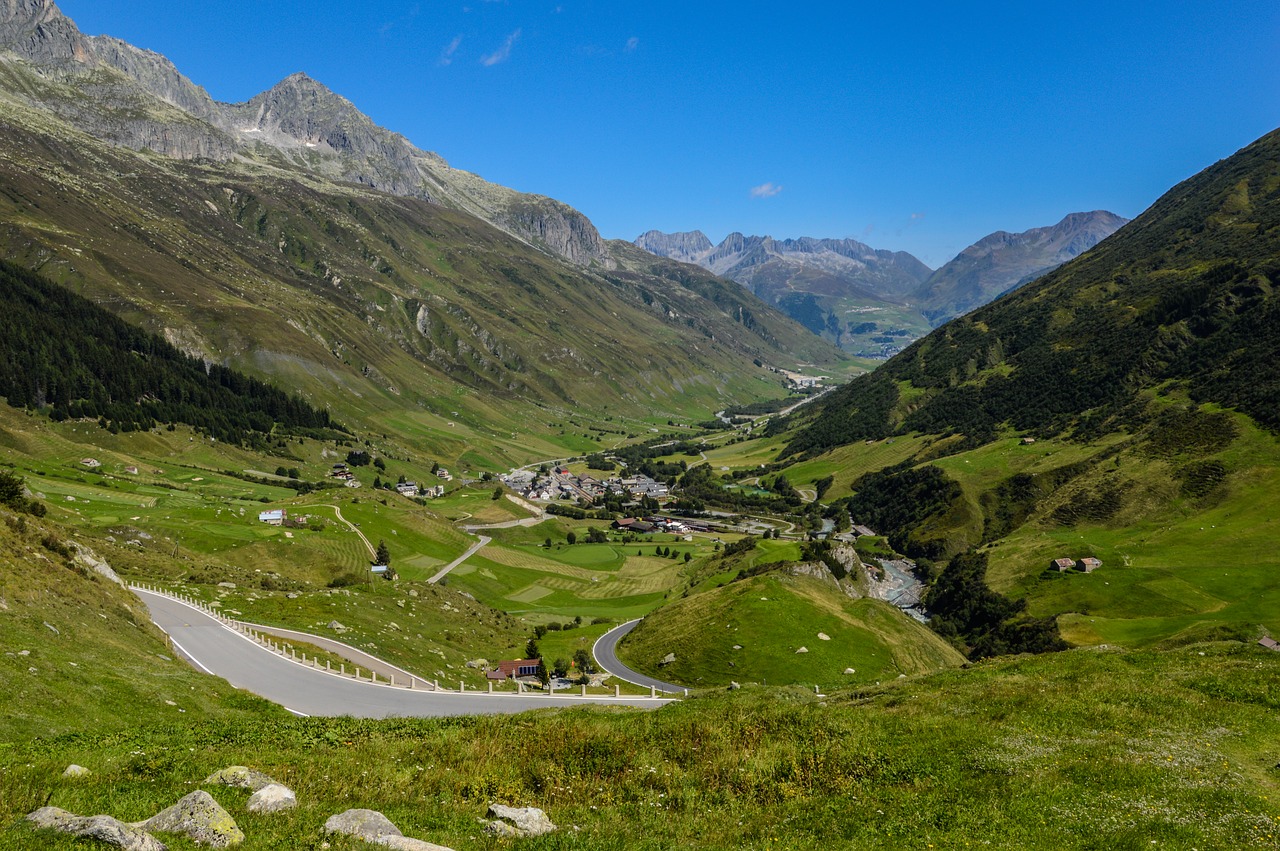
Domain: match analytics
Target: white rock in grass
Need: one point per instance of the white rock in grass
(74, 771)
(822, 636)
(199, 817)
(803, 650)
(272, 799)
(373, 826)
(240, 777)
(530, 821)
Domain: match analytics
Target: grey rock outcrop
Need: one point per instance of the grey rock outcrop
(272, 799)
(240, 777)
(88, 558)
(103, 829)
(199, 817)
(527, 821)
(373, 826)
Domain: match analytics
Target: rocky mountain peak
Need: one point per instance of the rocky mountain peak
(687, 247)
(38, 31)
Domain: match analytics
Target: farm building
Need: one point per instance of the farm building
(516, 668)
(275, 517)
(1089, 565)
(1062, 565)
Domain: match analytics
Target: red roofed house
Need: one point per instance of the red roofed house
(514, 669)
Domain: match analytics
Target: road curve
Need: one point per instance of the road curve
(217, 649)
(605, 651)
(475, 548)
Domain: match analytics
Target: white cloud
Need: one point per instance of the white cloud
(915, 217)
(632, 44)
(446, 55)
(765, 190)
(502, 54)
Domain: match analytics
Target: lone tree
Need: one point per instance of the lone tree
(383, 555)
(531, 650)
(583, 662)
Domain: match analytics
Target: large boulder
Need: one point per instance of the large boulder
(527, 821)
(240, 777)
(103, 829)
(199, 817)
(273, 798)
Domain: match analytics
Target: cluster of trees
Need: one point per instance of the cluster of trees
(13, 495)
(982, 622)
(61, 351)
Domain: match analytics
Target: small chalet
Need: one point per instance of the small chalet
(514, 669)
(275, 517)
(1089, 565)
(624, 524)
(132, 471)
(1062, 565)
(91, 463)
(863, 532)
(1028, 441)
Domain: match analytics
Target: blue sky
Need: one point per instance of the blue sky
(915, 126)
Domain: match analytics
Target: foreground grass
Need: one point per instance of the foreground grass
(1078, 750)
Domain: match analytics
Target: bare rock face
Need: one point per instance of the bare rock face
(527, 821)
(38, 31)
(104, 829)
(199, 817)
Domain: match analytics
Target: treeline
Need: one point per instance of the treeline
(61, 352)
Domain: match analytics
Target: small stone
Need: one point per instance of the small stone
(737, 647)
(373, 826)
(52, 628)
(803, 650)
(668, 659)
(850, 671)
(231, 585)
(393, 626)
(733, 686)
(334, 625)
(530, 821)
(272, 799)
(74, 771)
(239, 777)
(412, 593)
(822, 636)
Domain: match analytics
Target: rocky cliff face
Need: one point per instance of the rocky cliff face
(1003, 261)
(689, 247)
(138, 99)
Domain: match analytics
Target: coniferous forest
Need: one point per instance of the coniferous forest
(61, 352)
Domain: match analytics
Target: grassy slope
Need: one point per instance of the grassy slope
(771, 617)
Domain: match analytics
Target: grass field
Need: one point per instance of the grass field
(767, 629)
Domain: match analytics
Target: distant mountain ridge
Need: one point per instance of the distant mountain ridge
(827, 285)
(1002, 261)
(138, 99)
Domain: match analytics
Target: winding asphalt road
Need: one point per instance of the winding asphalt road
(217, 649)
(605, 651)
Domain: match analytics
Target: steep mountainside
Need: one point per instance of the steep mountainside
(275, 262)
(138, 99)
(848, 292)
(1004, 261)
(1185, 294)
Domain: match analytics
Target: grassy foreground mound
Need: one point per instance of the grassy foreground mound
(768, 628)
(1084, 749)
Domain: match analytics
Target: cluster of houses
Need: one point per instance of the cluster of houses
(1062, 565)
(344, 475)
(414, 489)
(655, 524)
(559, 483)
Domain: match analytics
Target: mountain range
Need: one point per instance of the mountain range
(291, 237)
(874, 302)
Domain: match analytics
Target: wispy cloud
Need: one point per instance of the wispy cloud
(915, 217)
(502, 54)
(632, 44)
(446, 55)
(765, 190)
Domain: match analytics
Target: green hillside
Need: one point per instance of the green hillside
(1122, 407)
(752, 630)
